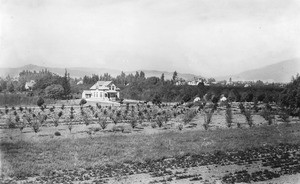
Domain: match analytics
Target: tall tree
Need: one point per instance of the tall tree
(142, 75)
(162, 78)
(175, 75)
(66, 84)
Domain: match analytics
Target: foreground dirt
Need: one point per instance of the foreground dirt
(267, 164)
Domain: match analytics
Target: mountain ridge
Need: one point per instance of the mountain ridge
(82, 71)
(278, 72)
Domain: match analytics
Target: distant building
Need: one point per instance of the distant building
(196, 81)
(29, 85)
(102, 91)
(79, 82)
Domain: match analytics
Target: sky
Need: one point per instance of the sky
(203, 37)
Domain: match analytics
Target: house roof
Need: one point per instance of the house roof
(100, 84)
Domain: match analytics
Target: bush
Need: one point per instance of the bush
(118, 128)
(40, 101)
(57, 134)
(54, 91)
(82, 102)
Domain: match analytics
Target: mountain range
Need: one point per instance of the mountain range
(278, 72)
(82, 71)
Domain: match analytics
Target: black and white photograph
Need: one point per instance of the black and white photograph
(150, 91)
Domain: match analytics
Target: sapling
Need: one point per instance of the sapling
(229, 116)
(180, 126)
(159, 121)
(242, 108)
(86, 119)
(102, 122)
(70, 124)
(133, 122)
(207, 118)
(248, 117)
(36, 125)
(268, 116)
(6, 110)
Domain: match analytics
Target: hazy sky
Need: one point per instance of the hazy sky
(205, 37)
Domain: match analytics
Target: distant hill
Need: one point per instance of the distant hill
(81, 72)
(74, 71)
(278, 72)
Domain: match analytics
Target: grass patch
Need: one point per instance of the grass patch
(20, 99)
(23, 159)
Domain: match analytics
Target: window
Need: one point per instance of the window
(100, 94)
(112, 87)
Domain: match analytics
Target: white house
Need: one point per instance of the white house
(102, 91)
(29, 85)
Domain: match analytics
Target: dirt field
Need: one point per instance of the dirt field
(143, 154)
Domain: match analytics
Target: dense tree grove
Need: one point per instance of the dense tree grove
(46, 83)
(156, 89)
(290, 97)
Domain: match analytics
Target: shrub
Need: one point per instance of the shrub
(82, 102)
(54, 91)
(57, 134)
(117, 128)
(40, 101)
